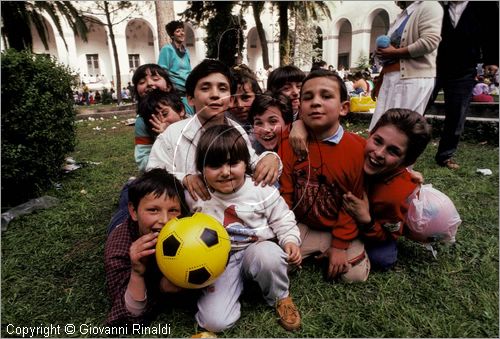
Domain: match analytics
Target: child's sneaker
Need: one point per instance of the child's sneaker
(289, 314)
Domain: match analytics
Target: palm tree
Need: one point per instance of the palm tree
(19, 16)
(307, 9)
(164, 14)
(258, 7)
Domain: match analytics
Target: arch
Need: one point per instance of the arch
(344, 28)
(379, 19)
(254, 50)
(38, 47)
(190, 43)
(94, 58)
(140, 44)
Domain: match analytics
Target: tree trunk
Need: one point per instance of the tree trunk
(115, 53)
(164, 14)
(258, 6)
(283, 41)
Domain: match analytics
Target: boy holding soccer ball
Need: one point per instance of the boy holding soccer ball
(134, 282)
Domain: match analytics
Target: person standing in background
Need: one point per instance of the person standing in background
(414, 39)
(174, 57)
(469, 36)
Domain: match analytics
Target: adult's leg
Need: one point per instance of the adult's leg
(457, 96)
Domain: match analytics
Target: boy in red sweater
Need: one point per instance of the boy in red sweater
(314, 187)
(395, 142)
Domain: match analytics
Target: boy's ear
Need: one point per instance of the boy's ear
(132, 211)
(345, 108)
(182, 113)
(190, 100)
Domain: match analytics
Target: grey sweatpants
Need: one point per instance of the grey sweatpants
(264, 262)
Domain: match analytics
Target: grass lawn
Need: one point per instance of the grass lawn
(53, 272)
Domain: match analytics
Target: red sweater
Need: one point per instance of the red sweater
(388, 205)
(313, 188)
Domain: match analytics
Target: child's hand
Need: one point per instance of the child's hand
(140, 250)
(337, 262)
(416, 177)
(267, 170)
(357, 208)
(196, 187)
(298, 139)
(293, 251)
(158, 123)
(166, 286)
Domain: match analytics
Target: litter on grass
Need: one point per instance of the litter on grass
(484, 171)
(28, 207)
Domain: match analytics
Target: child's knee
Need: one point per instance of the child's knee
(216, 322)
(358, 272)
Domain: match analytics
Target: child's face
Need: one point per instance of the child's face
(167, 114)
(268, 128)
(242, 101)
(212, 97)
(292, 90)
(154, 212)
(227, 178)
(385, 151)
(150, 82)
(320, 106)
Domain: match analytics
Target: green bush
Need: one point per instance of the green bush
(37, 123)
(106, 97)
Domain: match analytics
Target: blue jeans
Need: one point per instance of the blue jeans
(121, 214)
(382, 255)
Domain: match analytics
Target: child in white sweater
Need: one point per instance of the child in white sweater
(254, 217)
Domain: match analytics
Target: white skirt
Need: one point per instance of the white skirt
(395, 92)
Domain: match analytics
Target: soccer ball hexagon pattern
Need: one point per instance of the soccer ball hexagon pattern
(192, 252)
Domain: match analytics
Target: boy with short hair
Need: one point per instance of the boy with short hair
(134, 283)
(209, 88)
(314, 187)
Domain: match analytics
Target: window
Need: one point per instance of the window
(93, 64)
(133, 61)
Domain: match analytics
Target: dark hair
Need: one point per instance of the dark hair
(318, 65)
(221, 144)
(153, 69)
(147, 105)
(267, 99)
(413, 125)
(324, 73)
(242, 75)
(158, 182)
(281, 75)
(204, 69)
(172, 26)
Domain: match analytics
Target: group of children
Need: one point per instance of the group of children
(345, 201)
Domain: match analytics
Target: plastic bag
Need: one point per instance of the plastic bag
(362, 104)
(28, 207)
(432, 216)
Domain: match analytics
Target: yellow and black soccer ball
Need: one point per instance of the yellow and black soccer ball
(192, 252)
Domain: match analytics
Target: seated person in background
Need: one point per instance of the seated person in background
(360, 84)
(481, 91)
(134, 283)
